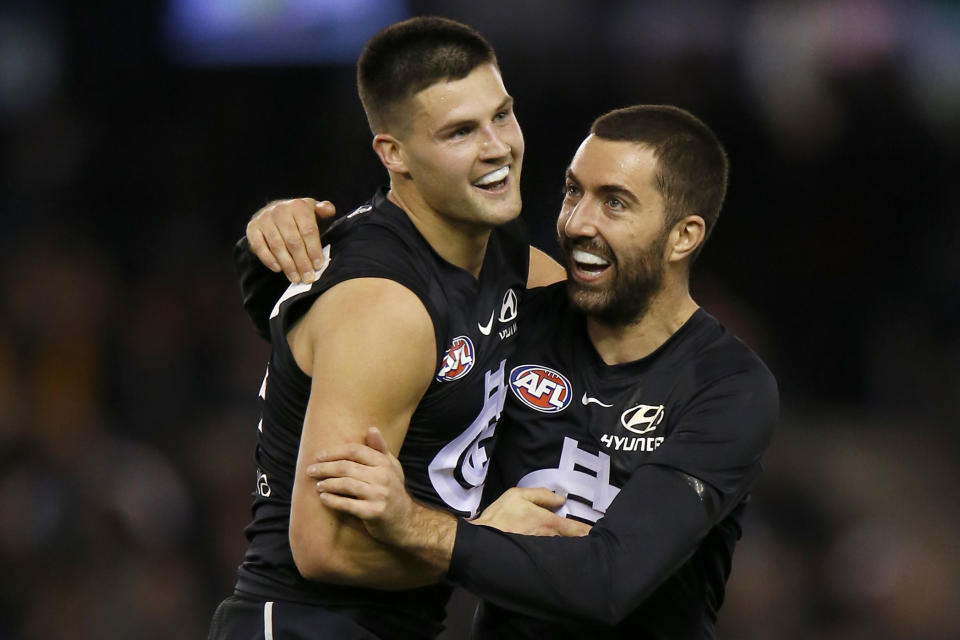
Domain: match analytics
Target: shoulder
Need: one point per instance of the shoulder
(383, 296)
(730, 382)
(728, 359)
(372, 320)
(376, 235)
(371, 243)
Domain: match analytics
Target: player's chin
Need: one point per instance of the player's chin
(502, 211)
(586, 298)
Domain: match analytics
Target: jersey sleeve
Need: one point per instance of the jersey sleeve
(720, 438)
(657, 521)
(651, 528)
(259, 286)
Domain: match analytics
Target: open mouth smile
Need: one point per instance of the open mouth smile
(588, 266)
(495, 181)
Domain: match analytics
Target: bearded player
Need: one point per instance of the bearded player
(626, 398)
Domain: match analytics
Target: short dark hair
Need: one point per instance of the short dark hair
(692, 164)
(409, 56)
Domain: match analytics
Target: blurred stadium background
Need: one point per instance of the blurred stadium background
(137, 138)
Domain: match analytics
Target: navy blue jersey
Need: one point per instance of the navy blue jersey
(444, 454)
(661, 453)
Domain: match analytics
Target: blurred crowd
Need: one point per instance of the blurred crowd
(129, 374)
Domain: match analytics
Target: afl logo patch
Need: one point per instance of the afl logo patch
(541, 388)
(458, 361)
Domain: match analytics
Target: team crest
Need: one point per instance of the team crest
(458, 361)
(541, 388)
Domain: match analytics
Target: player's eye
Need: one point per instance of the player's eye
(461, 132)
(571, 190)
(615, 203)
(501, 116)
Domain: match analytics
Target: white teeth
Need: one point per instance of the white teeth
(588, 258)
(493, 176)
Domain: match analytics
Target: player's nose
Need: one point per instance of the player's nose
(580, 220)
(494, 146)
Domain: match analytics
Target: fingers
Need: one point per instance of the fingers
(277, 247)
(285, 235)
(572, 528)
(375, 440)
(309, 232)
(288, 218)
(325, 212)
(340, 469)
(349, 487)
(354, 451)
(358, 508)
(258, 245)
(540, 497)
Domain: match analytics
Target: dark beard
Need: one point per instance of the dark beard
(628, 298)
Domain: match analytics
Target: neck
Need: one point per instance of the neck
(459, 243)
(668, 311)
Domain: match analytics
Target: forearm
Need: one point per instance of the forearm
(599, 578)
(359, 560)
(429, 535)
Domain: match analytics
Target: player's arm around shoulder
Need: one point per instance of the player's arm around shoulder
(369, 347)
(543, 270)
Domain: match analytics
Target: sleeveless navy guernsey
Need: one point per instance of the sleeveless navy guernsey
(444, 454)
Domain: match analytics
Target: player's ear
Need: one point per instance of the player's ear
(390, 152)
(685, 237)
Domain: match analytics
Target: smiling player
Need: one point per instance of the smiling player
(627, 398)
(407, 324)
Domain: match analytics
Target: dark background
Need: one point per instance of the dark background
(134, 148)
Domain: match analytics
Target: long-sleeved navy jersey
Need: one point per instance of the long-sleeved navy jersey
(661, 453)
(444, 454)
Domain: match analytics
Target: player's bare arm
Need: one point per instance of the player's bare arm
(285, 236)
(368, 346)
(543, 269)
(366, 481)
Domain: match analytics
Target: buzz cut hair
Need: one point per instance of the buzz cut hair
(407, 57)
(692, 165)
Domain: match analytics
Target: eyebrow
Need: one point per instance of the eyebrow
(606, 189)
(469, 122)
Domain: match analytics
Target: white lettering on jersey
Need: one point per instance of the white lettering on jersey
(509, 331)
(565, 480)
(458, 470)
(626, 443)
